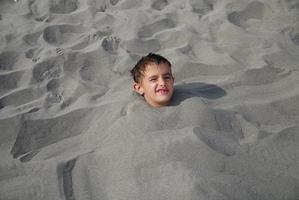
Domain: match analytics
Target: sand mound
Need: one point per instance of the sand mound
(71, 127)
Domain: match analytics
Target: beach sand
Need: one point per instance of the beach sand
(72, 128)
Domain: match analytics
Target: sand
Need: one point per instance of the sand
(72, 128)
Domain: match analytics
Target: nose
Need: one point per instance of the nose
(162, 82)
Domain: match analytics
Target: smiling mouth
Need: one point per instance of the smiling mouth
(163, 91)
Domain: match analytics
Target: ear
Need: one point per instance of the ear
(138, 88)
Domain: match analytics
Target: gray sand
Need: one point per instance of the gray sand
(72, 128)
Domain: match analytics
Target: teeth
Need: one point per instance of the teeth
(163, 91)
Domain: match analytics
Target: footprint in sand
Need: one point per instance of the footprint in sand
(63, 91)
(42, 9)
(32, 38)
(60, 51)
(53, 98)
(110, 44)
(292, 4)
(35, 59)
(63, 6)
(46, 70)
(9, 81)
(86, 40)
(262, 76)
(62, 34)
(8, 59)
(292, 34)
(295, 39)
(30, 138)
(201, 7)
(33, 54)
(114, 2)
(139, 46)
(254, 10)
(159, 4)
(102, 5)
(30, 53)
(158, 26)
(21, 97)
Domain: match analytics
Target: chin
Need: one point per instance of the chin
(164, 101)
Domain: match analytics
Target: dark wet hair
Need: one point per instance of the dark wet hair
(139, 68)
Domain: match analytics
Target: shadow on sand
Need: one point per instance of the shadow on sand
(196, 89)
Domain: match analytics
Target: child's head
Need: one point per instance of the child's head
(153, 79)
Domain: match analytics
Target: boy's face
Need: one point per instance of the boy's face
(156, 85)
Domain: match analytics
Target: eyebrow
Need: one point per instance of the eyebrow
(166, 74)
(154, 76)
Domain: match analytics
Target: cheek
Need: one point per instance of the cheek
(150, 87)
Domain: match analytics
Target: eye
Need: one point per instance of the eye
(167, 77)
(152, 79)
